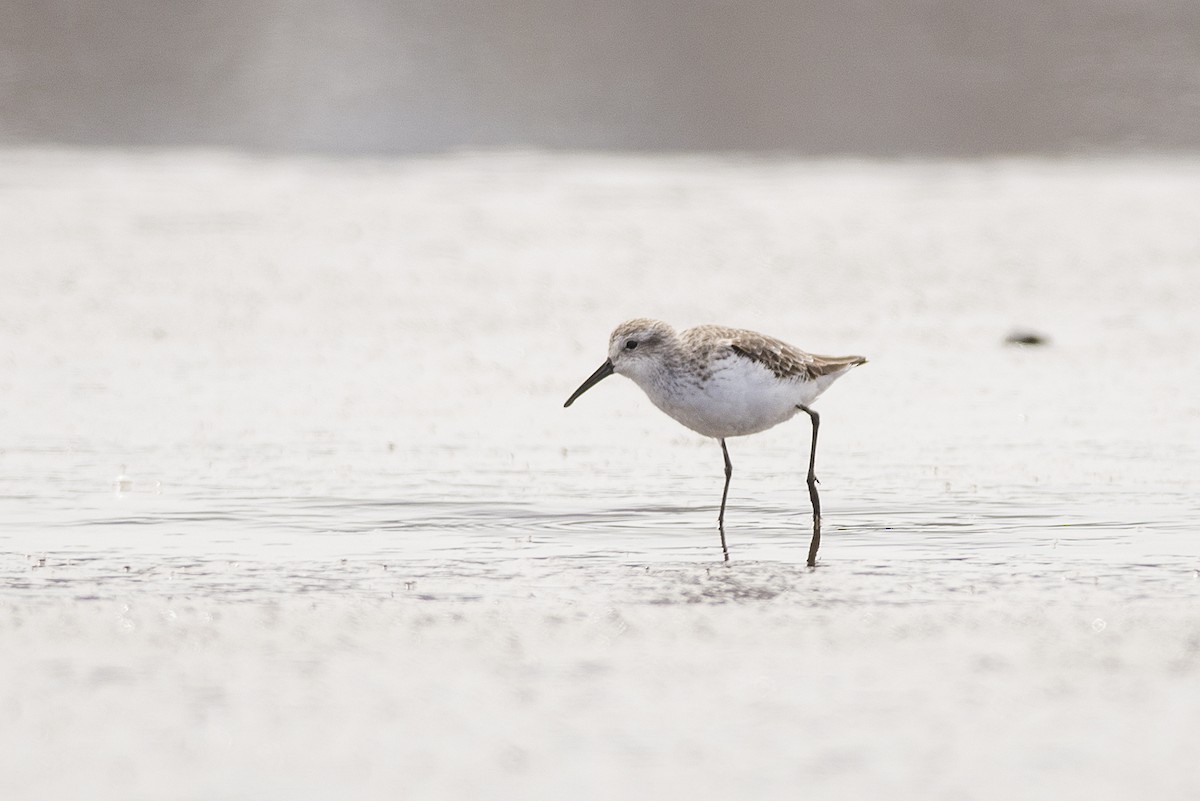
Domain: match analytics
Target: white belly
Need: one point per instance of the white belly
(742, 398)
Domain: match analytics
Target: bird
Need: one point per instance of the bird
(724, 382)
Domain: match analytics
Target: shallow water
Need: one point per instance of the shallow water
(289, 506)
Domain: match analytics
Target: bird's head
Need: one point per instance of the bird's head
(635, 349)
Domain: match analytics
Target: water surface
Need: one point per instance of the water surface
(289, 506)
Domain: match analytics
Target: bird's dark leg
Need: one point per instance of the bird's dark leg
(812, 487)
(724, 495)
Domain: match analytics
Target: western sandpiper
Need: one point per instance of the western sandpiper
(724, 382)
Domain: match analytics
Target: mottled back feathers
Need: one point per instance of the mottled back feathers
(782, 359)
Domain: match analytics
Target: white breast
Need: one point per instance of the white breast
(740, 397)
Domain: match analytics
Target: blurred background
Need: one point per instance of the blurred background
(923, 77)
(293, 293)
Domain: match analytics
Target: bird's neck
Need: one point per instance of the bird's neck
(668, 376)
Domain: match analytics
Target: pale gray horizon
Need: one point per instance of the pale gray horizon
(923, 78)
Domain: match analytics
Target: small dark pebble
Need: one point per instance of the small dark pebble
(1026, 338)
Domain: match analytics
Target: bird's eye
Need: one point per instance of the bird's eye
(631, 344)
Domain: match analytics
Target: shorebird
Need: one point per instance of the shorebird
(724, 382)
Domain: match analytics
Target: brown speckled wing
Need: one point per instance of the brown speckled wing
(782, 359)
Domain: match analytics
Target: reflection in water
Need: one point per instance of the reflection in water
(267, 547)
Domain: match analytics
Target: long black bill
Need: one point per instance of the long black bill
(595, 378)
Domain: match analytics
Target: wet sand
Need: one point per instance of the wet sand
(360, 549)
